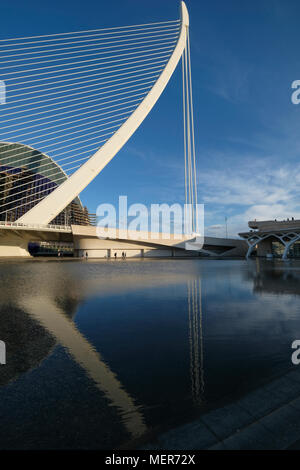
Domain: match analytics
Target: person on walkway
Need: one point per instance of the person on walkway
(86, 255)
(115, 255)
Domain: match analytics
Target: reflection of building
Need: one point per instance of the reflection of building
(272, 237)
(276, 281)
(26, 177)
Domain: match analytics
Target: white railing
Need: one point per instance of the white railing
(61, 228)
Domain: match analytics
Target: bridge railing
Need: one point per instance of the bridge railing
(61, 228)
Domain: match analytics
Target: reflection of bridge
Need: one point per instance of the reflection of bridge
(275, 280)
(47, 305)
(44, 309)
(51, 317)
(263, 234)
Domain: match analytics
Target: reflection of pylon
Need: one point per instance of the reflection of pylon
(52, 318)
(196, 340)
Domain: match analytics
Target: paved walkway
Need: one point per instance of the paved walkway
(267, 418)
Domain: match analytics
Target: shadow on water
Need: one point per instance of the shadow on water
(102, 353)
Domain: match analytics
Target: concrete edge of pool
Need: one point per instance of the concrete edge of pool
(265, 419)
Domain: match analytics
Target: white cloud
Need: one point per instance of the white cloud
(260, 193)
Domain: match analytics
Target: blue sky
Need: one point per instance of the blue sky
(244, 59)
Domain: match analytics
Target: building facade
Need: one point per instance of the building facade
(26, 177)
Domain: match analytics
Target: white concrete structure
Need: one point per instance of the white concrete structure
(14, 239)
(263, 233)
(141, 245)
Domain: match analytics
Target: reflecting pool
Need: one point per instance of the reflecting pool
(103, 354)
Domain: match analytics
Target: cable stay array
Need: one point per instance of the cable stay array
(68, 93)
(74, 99)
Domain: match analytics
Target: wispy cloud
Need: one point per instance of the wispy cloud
(230, 79)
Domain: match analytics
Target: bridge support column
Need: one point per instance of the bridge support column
(13, 245)
(288, 245)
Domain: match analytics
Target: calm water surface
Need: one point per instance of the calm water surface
(102, 353)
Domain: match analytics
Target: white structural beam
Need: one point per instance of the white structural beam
(54, 203)
(286, 238)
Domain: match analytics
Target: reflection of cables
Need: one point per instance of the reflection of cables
(196, 340)
(201, 338)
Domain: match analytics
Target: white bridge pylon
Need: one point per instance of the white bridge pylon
(55, 202)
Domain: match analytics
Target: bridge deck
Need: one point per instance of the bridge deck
(35, 227)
